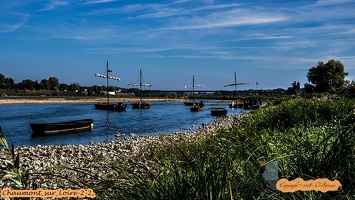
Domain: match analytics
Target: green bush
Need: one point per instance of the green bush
(308, 139)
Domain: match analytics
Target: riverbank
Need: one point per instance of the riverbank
(57, 166)
(42, 100)
(53, 100)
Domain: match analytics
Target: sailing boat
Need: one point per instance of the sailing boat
(195, 106)
(109, 106)
(191, 103)
(235, 105)
(140, 104)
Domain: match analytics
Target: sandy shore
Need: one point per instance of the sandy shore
(39, 100)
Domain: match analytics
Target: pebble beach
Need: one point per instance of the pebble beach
(63, 166)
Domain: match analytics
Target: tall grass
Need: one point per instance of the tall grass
(308, 138)
(11, 172)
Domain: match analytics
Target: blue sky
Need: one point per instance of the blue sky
(271, 42)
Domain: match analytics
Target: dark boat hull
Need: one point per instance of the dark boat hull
(140, 105)
(218, 112)
(248, 103)
(239, 105)
(188, 103)
(62, 127)
(196, 108)
(111, 107)
(252, 103)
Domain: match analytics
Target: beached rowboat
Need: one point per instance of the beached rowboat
(62, 127)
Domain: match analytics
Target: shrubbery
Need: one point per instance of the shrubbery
(303, 138)
(309, 139)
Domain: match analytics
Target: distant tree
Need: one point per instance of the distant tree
(2, 81)
(275, 91)
(54, 83)
(26, 84)
(38, 86)
(46, 85)
(90, 92)
(308, 88)
(295, 89)
(63, 87)
(96, 89)
(74, 87)
(327, 77)
(349, 89)
(10, 83)
(112, 88)
(7, 83)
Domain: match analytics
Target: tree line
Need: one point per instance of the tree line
(50, 86)
(325, 78)
(328, 78)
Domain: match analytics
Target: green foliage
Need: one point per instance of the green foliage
(11, 171)
(327, 77)
(3, 142)
(296, 112)
(295, 89)
(308, 138)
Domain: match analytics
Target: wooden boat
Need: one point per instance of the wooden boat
(186, 100)
(195, 106)
(252, 103)
(62, 127)
(109, 106)
(140, 104)
(188, 103)
(236, 104)
(218, 111)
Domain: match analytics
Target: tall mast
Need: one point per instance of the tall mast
(194, 85)
(235, 84)
(107, 89)
(107, 77)
(193, 88)
(140, 82)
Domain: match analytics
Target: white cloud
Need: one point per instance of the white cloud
(83, 33)
(227, 19)
(97, 1)
(11, 21)
(170, 10)
(266, 37)
(332, 2)
(54, 4)
(345, 32)
(180, 1)
(130, 9)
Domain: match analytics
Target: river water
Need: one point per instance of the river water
(161, 118)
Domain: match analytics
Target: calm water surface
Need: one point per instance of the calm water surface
(161, 118)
